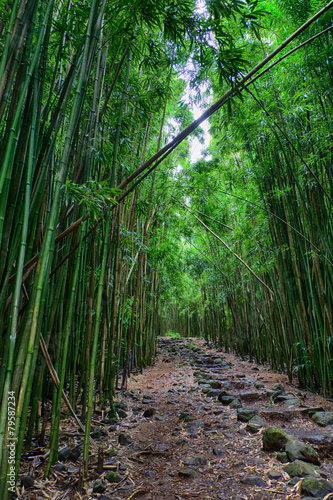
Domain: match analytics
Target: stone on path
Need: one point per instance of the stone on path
(113, 477)
(297, 450)
(149, 412)
(316, 487)
(99, 487)
(323, 418)
(189, 472)
(246, 414)
(124, 439)
(254, 481)
(255, 424)
(298, 468)
(27, 481)
(273, 439)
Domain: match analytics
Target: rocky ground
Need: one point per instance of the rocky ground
(199, 424)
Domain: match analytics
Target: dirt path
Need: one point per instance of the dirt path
(181, 442)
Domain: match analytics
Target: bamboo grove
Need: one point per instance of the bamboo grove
(94, 267)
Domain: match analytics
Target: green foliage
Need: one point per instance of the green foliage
(96, 196)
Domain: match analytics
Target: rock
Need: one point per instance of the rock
(113, 477)
(323, 441)
(59, 467)
(124, 439)
(226, 400)
(99, 487)
(246, 414)
(255, 424)
(311, 411)
(292, 402)
(249, 396)
(196, 461)
(112, 418)
(64, 454)
(149, 412)
(150, 473)
(189, 472)
(274, 474)
(299, 468)
(121, 413)
(282, 457)
(110, 452)
(215, 384)
(235, 404)
(279, 398)
(254, 481)
(259, 385)
(316, 487)
(297, 450)
(96, 433)
(75, 453)
(274, 439)
(27, 481)
(278, 387)
(185, 417)
(213, 393)
(323, 418)
(284, 415)
(121, 405)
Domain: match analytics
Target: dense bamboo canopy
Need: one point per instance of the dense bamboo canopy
(111, 233)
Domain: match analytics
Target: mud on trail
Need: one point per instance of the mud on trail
(192, 427)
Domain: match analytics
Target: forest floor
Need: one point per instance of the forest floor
(180, 442)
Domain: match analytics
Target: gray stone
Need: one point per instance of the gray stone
(64, 454)
(150, 473)
(292, 402)
(75, 453)
(121, 413)
(278, 387)
(323, 441)
(274, 474)
(149, 412)
(59, 468)
(259, 385)
(185, 417)
(297, 450)
(311, 411)
(300, 469)
(235, 404)
(213, 393)
(284, 415)
(113, 477)
(254, 481)
(279, 398)
(99, 487)
(282, 457)
(246, 414)
(215, 384)
(226, 400)
(249, 396)
(274, 439)
(189, 472)
(323, 418)
(315, 486)
(124, 439)
(27, 481)
(255, 424)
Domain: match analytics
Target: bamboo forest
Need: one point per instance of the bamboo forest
(165, 170)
